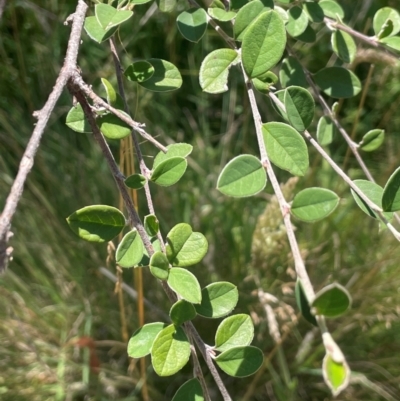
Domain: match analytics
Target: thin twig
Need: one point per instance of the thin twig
(43, 116)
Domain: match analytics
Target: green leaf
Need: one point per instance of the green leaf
(151, 225)
(344, 46)
(185, 284)
(286, 148)
(169, 172)
(298, 21)
(166, 77)
(112, 127)
(185, 247)
(159, 266)
(76, 120)
(214, 70)
(97, 223)
(240, 361)
(303, 304)
(283, 14)
(263, 44)
(174, 150)
(325, 131)
(300, 107)
(338, 82)
(246, 16)
(313, 204)
(372, 140)
(336, 374)
(217, 300)
(113, 98)
(109, 17)
(265, 84)
(314, 11)
(189, 391)
(217, 11)
(181, 312)
(331, 9)
(332, 301)
(96, 31)
(242, 176)
(142, 339)
(139, 71)
(170, 351)
(130, 250)
(374, 192)
(391, 193)
(384, 14)
(135, 181)
(192, 24)
(386, 30)
(291, 73)
(234, 331)
(166, 6)
(392, 42)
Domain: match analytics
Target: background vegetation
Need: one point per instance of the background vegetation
(53, 292)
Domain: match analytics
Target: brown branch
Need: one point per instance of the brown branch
(43, 116)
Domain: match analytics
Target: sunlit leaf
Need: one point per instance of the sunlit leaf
(372, 140)
(189, 391)
(96, 31)
(384, 14)
(326, 130)
(391, 193)
(174, 150)
(185, 284)
(166, 77)
(130, 250)
(142, 339)
(181, 312)
(298, 21)
(192, 24)
(336, 374)
(169, 171)
(159, 266)
(332, 9)
(109, 17)
(344, 46)
(76, 120)
(139, 71)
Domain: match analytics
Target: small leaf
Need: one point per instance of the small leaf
(314, 11)
(109, 17)
(303, 304)
(372, 140)
(159, 266)
(332, 301)
(313, 204)
(139, 71)
(242, 176)
(265, 84)
(185, 284)
(344, 46)
(214, 70)
(217, 11)
(181, 312)
(298, 21)
(142, 339)
(166, 77)
(391, 193)
(336, 374)
(170, 351)
(169, 172)
(325, 131)
(185, 247)
(386, 30)
(112, 127)
(130, 250)
(263, 44)
(286, 148)
(291, 73)
(338, 82)
(331, 9)
(217, 300)
(384, 14)
(151, 225)
(189, 391)
(300, 107)
(135, 181)
(192, 24)
(240, 361)
(96, 31)
(113, 98)
(236, 330)
(175, 149)
(166, 6)
(97, 223)
(76, 120)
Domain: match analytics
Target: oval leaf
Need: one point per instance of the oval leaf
(234, 331)
(97, 223)
(240, 361)
(169, 172)
(181, 312)
(140, 71)
(76, 120)
(313, 204)
(130, 250)
(391, 193)
(185, 284)
(392, 42)
(142, 339)
(382, 16)
(109, 17)
(135, 181)
(344, 46)
(332, 301)
(314, 11)
(303, 304)
(336, 374)
(332, 9)
(325, 131)
(286, 148)
(151, 225)
(185, 247)
(166, 77)
(192, 24)
(96, 31)
(372, 140)
(242, 176)
(217, 11)
(159, 266)
(298, 21)
(189, 391)
(112, 127)
(338, 82)
(214, 70)
(170, 351)
(300, 107)
(175, 149)
(217, 300)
